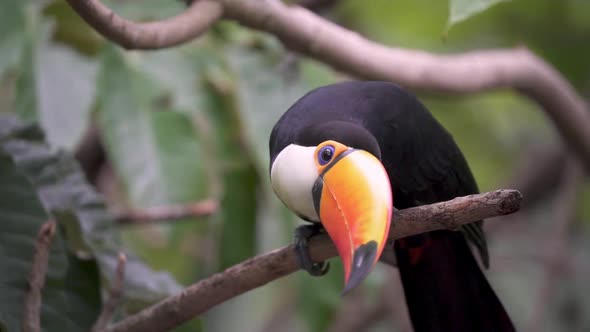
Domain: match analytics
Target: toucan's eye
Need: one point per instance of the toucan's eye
(325, 154)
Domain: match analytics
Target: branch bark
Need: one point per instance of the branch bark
(262, 269)
(32, 312)
(198, 17)
(114, 296)
(309, 34)
(519, 69)
(173, 212)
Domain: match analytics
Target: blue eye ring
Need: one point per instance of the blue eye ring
(326, 154)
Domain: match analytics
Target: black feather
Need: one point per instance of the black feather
(445, 288)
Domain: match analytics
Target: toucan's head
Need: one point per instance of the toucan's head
(332, 174)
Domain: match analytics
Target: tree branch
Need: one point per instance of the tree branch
(198, 17)
(32, 315)
(472, 72)
(307, 33)
(262, 269)
(172, 212)
(114, 296)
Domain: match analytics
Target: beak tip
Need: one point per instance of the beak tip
(362, 264)
(348, 287)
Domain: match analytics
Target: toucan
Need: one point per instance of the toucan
(344, 157)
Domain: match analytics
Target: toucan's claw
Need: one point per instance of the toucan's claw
(302, 235)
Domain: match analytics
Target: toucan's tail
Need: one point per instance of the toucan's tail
(445, 289)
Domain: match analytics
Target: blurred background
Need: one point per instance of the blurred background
(189, 127)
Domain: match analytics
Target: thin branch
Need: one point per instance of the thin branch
(172, 212)
(114, 296)
(307, 33)
(194, 21)
(563, 215)
(262, 269)
(32, 313)
(519, 69)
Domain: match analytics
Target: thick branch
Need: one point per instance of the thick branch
(472, 72)
(303, 31)
(114, 296)
(260, 270)
(32, 315)
(149, 35)
(172, 212)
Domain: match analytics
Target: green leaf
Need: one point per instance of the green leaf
(237, 169)
(193, 325)
(177, 73)
(155, 154)
(66, 87)
(71, 30)
(239, 203)
(318, 298)
(81, 213)
(55, 87)
(461, 10)
(12, 27)
(264, 94)
(26, 102)
(71, 296)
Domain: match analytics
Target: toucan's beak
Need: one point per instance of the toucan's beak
(354, 201)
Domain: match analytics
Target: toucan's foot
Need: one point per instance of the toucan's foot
(302, 235)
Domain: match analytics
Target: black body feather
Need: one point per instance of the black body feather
(444, 286)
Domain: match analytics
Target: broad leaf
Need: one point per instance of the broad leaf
(71, 30)
(319, 298)
(177, 73)
(26, 102)
(461, 10)
(90, 230)
(71, 296)
(55, 87)
(12, 27)
(237, 168)
(155, 154)
(66, 88)
(264, 93)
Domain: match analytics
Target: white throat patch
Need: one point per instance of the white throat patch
(292, 176)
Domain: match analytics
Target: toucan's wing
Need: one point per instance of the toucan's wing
(431, 169)
(449, 176)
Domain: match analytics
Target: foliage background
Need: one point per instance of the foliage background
(192, 123)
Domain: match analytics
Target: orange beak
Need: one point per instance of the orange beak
(353, 199)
